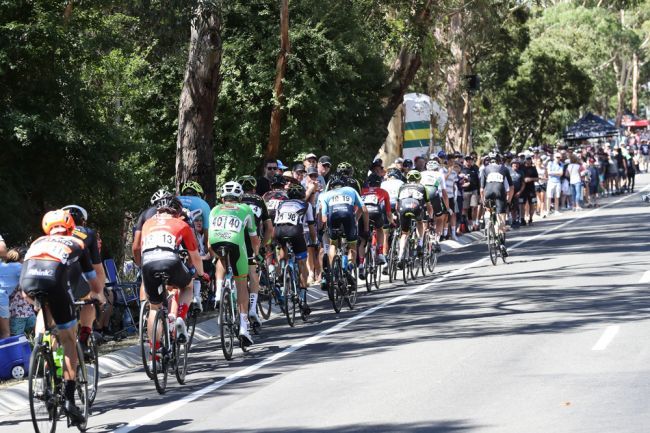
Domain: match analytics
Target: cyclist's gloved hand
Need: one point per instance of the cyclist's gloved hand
(205, 277)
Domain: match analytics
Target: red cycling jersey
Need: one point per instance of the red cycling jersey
(163, 231)
(376, 199)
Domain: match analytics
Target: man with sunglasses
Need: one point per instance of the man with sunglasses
(264, 182)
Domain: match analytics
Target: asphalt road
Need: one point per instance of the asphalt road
(554, 341)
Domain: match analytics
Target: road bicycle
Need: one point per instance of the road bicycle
(342, 283)
(431, 247)
(393, 253)
(91, 358)
(290, 278)
(45, 380)
(492, 238)
(168, 352)
(143, 337)
(268, 294)
(373, 267)
(228, 311)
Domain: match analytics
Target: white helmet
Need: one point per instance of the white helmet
(433, 165)
(232, 189)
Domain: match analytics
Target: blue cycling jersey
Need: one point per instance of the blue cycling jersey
(194, 203)
(343, 199)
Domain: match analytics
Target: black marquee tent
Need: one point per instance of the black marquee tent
(590, 126)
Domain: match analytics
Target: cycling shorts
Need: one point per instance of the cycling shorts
(159, 261)
(378, 219)
(80, 287)
(287, 233)
(237, 255)
(342, 224)
(406, 215)
(496, 191)
(49, 279)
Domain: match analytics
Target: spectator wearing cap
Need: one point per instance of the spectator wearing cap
(540, 185)
(470, 185)
(264, 181)
(555, 170)
(528, 195)
(377, 167)
(311, 160)
(298, 171)
(407, 166)
(313, 183)
(324, 168)
(592, 180)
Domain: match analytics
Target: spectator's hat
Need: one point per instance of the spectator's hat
(312, 170)
(325, 160)
(298, 167)
(281, 166)
(310, 156)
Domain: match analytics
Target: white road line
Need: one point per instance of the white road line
(606, 338)
(169, 407)
(645, 278)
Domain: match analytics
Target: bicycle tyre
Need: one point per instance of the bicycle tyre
(226, 323)
(289, 293)
(81, 388)
(492, 244)
(405, 268)
(392, 262)
(192, 318)
(159, 361)
(180, 355)
(43, 404)
(377, 274)
(370, 265)
(334, 287)
(351, 298)
(264, 296)
(432, 257)
(145, 344)
(92, 370)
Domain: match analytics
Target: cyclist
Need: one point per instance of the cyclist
(377, 202)
(162, 236)
(45, 272)
(229, 222)
(293, 216)
(496, 185)
(265, 231)
(392, 184)
(276, 195)
(80, 287)
(344, 169)
(411, 202)
(434, 182)
(340, 209)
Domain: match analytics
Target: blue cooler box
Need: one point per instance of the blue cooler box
(14, 357)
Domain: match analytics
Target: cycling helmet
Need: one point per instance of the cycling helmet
(374, 180)
(193, 185)
(433, 165)
(442, 154)
(162, 193)
(58, 222)
(345, 168)
(296, 191)
(278, 181)
(494, 156)
(338, 181)
(169, 205)
(78, 213)
(413, 176)
(247, 182)
(394, 172)
(232, 190)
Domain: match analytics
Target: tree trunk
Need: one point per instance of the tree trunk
(622, 74)
(195, 143)
(456, 85)
(635, 84)
(394, 143)
(273, 147)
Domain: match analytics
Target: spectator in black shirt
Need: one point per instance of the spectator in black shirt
(471, 191)
(264, 182)
(528, 196)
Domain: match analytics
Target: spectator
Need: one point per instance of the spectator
(470, 191)
(3, 248)
(420, 163)
(9, 277)
(298, 171)
(407, 166)
(574, 173)
(377, 167)
(540, 185)
(592, 179)
(310, 160)
(271, 167)
(324, 168)
(644, 160)
(555, 169)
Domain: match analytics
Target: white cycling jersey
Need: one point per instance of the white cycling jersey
(391, 186)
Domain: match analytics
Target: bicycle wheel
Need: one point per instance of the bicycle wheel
(92, 370)
(392, 261)
(351, 298)
(405, 268)
(43, 401)
(289, 293)
(81, 388)
(432, 255)
(336, 284)
(376, 278)
(264, 295)
(415, 261)
(226, 323)
(145, 344)
(492, 243)
(180, 355)
(192, 317)
(370, 265)
(159, 355)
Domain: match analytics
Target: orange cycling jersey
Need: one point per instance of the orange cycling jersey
(62, 249)
(163, 231)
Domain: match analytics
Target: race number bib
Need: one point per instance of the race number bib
(495, 177)
(411, 193)
(287, 218)
(273, 203)
(257, 211)
(51, 249)
(159, 240)
(227, 223)
(371, 199)
(341, 199)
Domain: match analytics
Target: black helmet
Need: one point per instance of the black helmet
(169, 205)
(338, 180)
(79, 214)
(278, 180)
(394, 172)
(296, 191)
(247, 182)
(374, 180)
